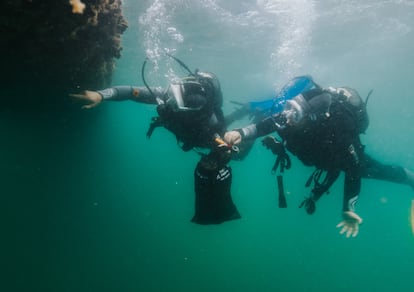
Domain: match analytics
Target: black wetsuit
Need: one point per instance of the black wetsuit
(327, 137)
(213, 177)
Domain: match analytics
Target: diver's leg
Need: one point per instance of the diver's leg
(213, 202)
(372, 168)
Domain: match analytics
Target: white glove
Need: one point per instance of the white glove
(232, 137)
(350, 224)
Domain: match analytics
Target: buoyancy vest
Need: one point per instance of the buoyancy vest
(333, 120)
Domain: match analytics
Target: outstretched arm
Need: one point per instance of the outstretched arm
(253, 131)
(91, 99)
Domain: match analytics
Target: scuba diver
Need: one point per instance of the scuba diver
(322, 128)
(191, 109)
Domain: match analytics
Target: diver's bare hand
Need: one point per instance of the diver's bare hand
(350, 224)
(232, 137)
(89, 98)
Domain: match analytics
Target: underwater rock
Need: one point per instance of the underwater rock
(51, 48)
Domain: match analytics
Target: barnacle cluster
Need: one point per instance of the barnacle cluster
(58, 47)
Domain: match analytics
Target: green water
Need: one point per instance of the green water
(89, 204)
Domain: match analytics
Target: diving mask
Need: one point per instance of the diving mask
(185, 96)
(295, 109)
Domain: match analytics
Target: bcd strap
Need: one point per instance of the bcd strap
(282, 162)
(281, 191)
(319, 188)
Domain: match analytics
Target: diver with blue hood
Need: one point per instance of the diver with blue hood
(191, 109)
(322, 128)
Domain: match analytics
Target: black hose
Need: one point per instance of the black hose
(282, 197)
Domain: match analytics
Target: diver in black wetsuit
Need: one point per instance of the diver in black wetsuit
(191, 109)
(322, 128)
